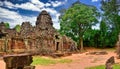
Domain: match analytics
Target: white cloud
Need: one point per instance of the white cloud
(27, 6)
(4, 13)
(7, 4)
(33, 5)
(56, 21)
(56, 3)
(50, 10)
(1, 4)
(14, 18)
(94, 0)
(50, 3)
(38, 3)
(35, 1)
(47, 4)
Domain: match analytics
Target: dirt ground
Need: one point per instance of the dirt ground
(80, 61)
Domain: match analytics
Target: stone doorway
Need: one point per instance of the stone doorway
(57, 46)
(57, 42)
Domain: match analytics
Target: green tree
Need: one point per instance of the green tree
(17, 28)
(7, 25)
(111, 18)
(110, 14)
(91, 37)
(76, 20)
(103, 34)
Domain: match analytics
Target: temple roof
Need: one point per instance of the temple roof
(44, 12)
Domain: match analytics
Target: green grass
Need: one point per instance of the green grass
(64, 61)
(110, 49)
(116, 66)
(37, 60)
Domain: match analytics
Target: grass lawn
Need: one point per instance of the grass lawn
(37, 60)
(116, 66)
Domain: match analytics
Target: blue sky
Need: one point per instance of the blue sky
(18, 11)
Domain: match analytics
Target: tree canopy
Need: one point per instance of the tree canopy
(110, 14)
(107, 35)
(76, 20)
(7, 25)
(17, 28)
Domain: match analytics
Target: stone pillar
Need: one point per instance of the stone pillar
(62, 44)
(33, 44)
(5, 44)
(1, 44)
(9, 45)
(26, 44)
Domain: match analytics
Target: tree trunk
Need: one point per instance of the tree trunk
(81, 44)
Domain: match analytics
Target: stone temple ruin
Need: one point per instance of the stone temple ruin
(43, 37)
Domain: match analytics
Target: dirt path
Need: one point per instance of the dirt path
(2, 64)
(80, 61)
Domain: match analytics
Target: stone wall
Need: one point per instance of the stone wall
(17, 43)
(2, 43)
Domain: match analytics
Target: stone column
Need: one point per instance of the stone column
(1, 44)
(62, 44)
(9, 45)
(26, 44)
(5, 44)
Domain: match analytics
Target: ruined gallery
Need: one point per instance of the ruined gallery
(41, 37)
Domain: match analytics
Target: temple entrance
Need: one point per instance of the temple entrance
(57, 42)
(57, 46)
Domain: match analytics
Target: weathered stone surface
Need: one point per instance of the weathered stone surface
(44, 26)
(61, 54)
(27, 31)
(97, 53)
(44, 19)
(2, 34)
(2, 26)
(42, 38)
(29, 67)
(11, 33)
(110, 62)
(17, 43)
(69, 44)
(19, 61)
